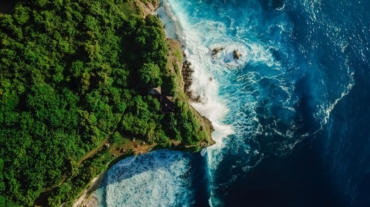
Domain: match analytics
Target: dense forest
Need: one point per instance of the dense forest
(74, 75)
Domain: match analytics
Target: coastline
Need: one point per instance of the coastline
(114, 90)
(85, 199)
(178, 65)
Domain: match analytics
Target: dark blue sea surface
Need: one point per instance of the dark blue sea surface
(292, 115)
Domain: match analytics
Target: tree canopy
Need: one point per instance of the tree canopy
(72, 74)
(150, 74)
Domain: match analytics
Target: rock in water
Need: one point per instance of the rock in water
(237, 54)
(217, 50)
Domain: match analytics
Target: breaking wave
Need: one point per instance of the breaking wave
(293, 70)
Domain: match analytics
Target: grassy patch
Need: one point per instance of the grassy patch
(128, 8)
(178, 54)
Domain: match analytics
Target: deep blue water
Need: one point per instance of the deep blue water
(292, 115)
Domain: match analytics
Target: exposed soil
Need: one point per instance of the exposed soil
(137, 147)
(148, 8)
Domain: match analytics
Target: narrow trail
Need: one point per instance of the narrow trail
(93, 151)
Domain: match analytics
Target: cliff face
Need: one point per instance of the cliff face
(74, 95)
(148, 7)
(175, 64)
(175, 68)
(180, 69)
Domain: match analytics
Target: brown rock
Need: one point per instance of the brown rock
(237, 54)
(217, 50)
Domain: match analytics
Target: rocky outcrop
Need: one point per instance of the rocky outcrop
(186, 76)
(236, 54)
(148, 7)
(184, 81)
(216, 50)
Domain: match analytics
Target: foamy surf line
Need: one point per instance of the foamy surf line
(204, 82)
(176, 26)
(158, 178)
(161, 178)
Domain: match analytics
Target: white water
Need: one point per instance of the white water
(167, 186)
(159, 178)
(204, 82)
(230, 96)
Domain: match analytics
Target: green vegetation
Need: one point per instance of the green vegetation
(178, 54)
(74, 75)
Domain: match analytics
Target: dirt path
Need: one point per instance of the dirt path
(92, 152)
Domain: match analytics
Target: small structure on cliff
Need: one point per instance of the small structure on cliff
(155, 91)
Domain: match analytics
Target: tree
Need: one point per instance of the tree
(150, 74)
(70, 72)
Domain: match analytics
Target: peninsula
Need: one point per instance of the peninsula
(84, 84)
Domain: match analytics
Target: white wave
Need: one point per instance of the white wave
(167, 21)
(204, 83)
(281, 8)
(154, 179)
(326, 108)
(157, 179)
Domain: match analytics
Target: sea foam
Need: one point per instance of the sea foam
(204, 84)
(159, 178)
(252, 100)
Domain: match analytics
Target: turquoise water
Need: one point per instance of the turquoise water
(290, 115)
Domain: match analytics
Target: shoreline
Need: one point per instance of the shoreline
(86, 199)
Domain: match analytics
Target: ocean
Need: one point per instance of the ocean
(292, 114)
